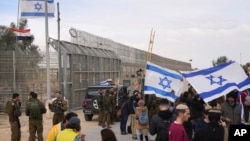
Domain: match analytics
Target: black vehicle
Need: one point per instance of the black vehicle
(90, 104)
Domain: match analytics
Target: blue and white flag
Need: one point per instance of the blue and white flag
(162, 82)
(104, 83)
(242, 113)
(36, 8)
(217, 81)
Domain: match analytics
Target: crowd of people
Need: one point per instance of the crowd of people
(189, 118)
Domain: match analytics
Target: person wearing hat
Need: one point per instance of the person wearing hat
(213, 131)
(230, 109)
(71, 132)
(177, 131)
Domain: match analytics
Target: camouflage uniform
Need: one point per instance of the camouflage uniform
(107, 108)
(100, 100)
(153, 108)
(113, 107)
(59, 106)
(13, 111)
(35, 123)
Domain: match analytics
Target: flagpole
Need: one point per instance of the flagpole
(149, 53)
(59, 49)
(47, 49)
(14, 52)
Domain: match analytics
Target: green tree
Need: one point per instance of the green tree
(8, 42)
(246, 68)
(7, 39)
(221, 60)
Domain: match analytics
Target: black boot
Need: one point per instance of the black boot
(146, 138)
(141, 137)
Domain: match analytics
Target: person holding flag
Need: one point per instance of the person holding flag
(163, 82)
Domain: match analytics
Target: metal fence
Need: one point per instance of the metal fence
(87, 60)
(82, 66)
(24, 79)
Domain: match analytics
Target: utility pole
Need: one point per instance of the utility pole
(59, 50)
(47, 49)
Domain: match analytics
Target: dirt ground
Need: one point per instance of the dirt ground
(5, 126)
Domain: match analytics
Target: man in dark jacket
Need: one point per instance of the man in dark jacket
(160, 122)
(213, 131)
(124, 113)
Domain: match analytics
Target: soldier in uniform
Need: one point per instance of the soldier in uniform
(13, 111)
(100, 107)
(58, 106)
(35, 110)
(113, 105)
(153, 107)
(107, 109)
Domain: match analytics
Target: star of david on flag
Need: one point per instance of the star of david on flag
(36, 8)
(217, 81)
(162, 82)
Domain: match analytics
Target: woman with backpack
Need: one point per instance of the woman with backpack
(142, 125)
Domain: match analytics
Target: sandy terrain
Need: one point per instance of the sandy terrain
(5, 126)
(90, 128)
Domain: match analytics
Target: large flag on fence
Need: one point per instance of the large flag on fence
(36, 8)
(217, 81)
(21, 34)
(162, 82)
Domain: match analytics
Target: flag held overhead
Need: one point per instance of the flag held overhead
(162, 82)
(217, 81)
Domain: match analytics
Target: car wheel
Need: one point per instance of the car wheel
(88, 117)
(95, 104)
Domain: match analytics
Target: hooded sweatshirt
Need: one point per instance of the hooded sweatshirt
(157, 120)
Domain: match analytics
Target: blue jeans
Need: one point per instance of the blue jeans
(123, 123)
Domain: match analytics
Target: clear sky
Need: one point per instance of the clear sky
(201, 30)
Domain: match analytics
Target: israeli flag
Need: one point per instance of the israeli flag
(217, 81)
(36, 8)
(104, 83)
(162, 82)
